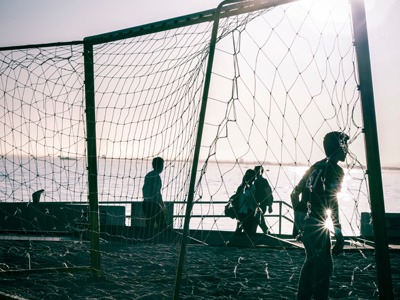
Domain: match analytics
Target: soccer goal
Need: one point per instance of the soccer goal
(215, 93)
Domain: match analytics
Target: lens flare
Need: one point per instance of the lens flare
(328, 221)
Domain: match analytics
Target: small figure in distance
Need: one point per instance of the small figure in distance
(245, 204)
(153, 205)
(36, 196)
(319, 188)
(264, 198)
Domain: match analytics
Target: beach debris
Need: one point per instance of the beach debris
(368, 267)
(266, 271)
(236, 266)
(29, 260)
(4, 267)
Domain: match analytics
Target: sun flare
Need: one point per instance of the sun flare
(328, 221)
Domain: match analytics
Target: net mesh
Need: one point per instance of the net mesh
(42, 127)
(282, 78)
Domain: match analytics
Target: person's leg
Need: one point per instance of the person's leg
(256, 220)
(150, 210)
(305, 287)
(145, 209)
(323, 267)
(316, 272)
(250, 223)
(161, 218)
(240, 226)
(262, 224)
(299, 220)
(321, 289)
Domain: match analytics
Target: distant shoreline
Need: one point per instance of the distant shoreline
(245, 162)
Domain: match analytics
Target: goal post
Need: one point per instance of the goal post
(94, 222)
(43, 162)
(372, 150)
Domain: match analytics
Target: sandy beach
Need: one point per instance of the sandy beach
(147, 271)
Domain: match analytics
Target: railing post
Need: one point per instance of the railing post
(372, 150)
(94, 226)
(280, 217)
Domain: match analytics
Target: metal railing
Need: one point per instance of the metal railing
(281, 216)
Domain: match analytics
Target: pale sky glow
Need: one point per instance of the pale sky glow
(26, 22)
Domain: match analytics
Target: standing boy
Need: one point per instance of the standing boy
(153, 205)
(319, 188)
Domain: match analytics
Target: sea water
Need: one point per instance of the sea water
(120, 182)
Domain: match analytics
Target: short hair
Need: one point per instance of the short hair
(334, 141)
(157, 163)
(249, 175)
(259, 170)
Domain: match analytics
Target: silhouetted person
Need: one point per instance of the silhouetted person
(319, 188)
(245, 204)
(153, 205)
(264, 197)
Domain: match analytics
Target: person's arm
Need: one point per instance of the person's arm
(158, 184)
(145, 189)
(298, 189)
(334, 189)
(295, 195)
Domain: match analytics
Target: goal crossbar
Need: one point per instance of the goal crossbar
(232, 9)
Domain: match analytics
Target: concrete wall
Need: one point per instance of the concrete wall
(138, 218)
(54, 217)
(392, 225)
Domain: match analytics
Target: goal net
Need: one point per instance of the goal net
(282, 77)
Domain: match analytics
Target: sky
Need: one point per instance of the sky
(24, 22)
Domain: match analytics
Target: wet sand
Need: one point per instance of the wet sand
(147, 271)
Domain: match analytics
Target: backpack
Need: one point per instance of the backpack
(238, 200)
(231, 207)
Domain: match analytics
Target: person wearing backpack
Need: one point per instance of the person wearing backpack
(245, 204)
(319, 188)
(153, 205)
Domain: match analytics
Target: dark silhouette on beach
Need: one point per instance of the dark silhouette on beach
(153, 205)
(251, 200)
(319, 188)
(245, 204)
(264, 198)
